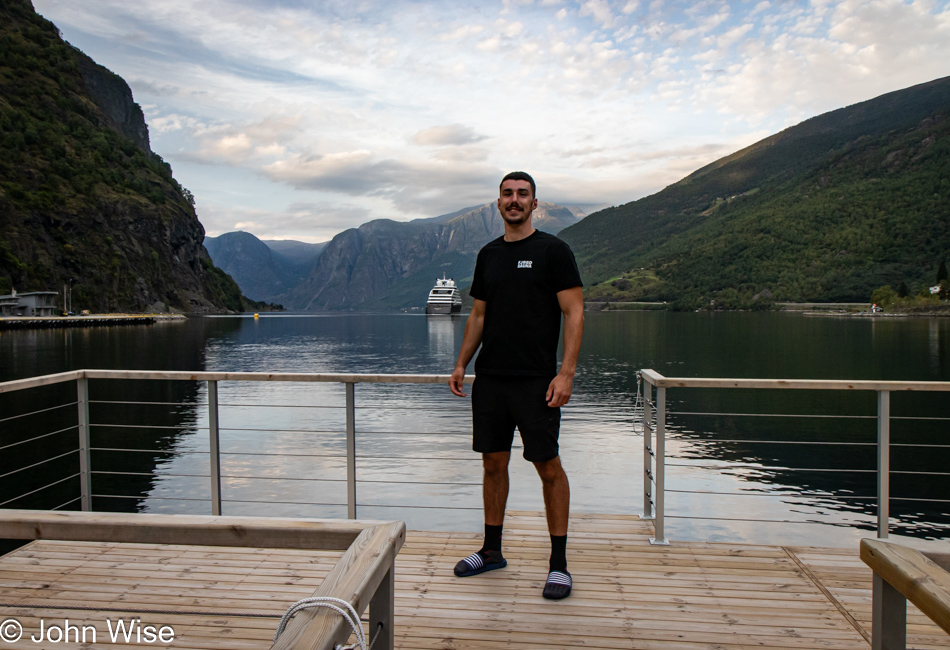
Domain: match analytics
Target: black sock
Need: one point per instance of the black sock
(492, 538)
(558, 553)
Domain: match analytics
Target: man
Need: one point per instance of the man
(524, 281)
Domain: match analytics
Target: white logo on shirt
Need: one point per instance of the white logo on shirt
(524, 264)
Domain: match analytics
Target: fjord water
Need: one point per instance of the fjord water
(729, 477)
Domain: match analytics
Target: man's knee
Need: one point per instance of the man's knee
(550, 471)
(495, 464)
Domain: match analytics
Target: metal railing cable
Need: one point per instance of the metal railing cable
(920, 499)
(39, 489)
(817, 416)
(178, 427)
(46, 410)
(63, 505)
(151, 498)
(140, 403)
(45, 435)
(42, 462)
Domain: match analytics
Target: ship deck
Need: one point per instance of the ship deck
(627, 593)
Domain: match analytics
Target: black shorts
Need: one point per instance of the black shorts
(499, 404)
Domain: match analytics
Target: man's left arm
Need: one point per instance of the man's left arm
(572, 306)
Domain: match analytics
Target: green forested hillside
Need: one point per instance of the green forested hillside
(827, 210)
(82, 197)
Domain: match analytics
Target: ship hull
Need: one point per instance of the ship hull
(442, 308)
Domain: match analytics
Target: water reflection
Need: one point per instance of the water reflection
(442, 338)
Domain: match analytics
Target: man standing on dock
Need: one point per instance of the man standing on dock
(524, 281)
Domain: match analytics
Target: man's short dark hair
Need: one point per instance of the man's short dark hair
(519, 176)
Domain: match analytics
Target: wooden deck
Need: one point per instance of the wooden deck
(627, 594)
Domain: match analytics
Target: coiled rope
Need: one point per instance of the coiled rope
(346, 611)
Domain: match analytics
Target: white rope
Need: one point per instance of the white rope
(350, 614)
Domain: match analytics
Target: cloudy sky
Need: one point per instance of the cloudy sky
(296, 119)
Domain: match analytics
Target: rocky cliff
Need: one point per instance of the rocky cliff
(83, 200)
(385, 264)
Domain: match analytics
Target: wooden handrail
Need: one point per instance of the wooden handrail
(181, 375)
(43, 380)
(918, 578)
(363, 576)
(201, 530)
(658, 380)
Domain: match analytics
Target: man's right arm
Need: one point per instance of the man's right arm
(470, 342)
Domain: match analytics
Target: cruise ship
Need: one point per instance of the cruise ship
(444, 298)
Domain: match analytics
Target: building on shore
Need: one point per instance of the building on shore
(31, 303)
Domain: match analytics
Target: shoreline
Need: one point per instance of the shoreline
(864, 314)
(92, 320)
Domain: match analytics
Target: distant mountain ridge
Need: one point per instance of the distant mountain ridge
(259, 267)
(826, 210)
(296, 252)
(386, 264)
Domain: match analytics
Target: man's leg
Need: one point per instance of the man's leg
(495, 497)
(557, 499)
(495, 486)
(557, 495)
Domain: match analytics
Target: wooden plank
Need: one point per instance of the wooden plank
(272, 376)
(36, 382)
(259, 532)
(629, 594)
(915, 576)
(660, 381)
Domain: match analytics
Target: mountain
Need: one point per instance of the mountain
(385, 264)
(260, 270)
(295, 252)
(827, 210)
(83, 199)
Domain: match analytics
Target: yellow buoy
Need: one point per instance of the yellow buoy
(257, 315)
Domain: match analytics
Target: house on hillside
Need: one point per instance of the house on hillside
(31, 303)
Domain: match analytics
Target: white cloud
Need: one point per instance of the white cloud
(401, 109)
(600, 10)
(452, 134)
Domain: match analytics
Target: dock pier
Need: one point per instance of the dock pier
(627, 592)
(94, 320)
(220, 584)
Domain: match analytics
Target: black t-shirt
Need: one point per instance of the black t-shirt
(519, 282)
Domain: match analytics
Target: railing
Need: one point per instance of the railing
(65, 463)
(656, 415)
(83, 425)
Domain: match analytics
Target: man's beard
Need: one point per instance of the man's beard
(516, 218)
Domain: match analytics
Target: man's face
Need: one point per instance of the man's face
(516, 202)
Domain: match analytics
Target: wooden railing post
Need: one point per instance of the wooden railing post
(888, 616)
(382, 609)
